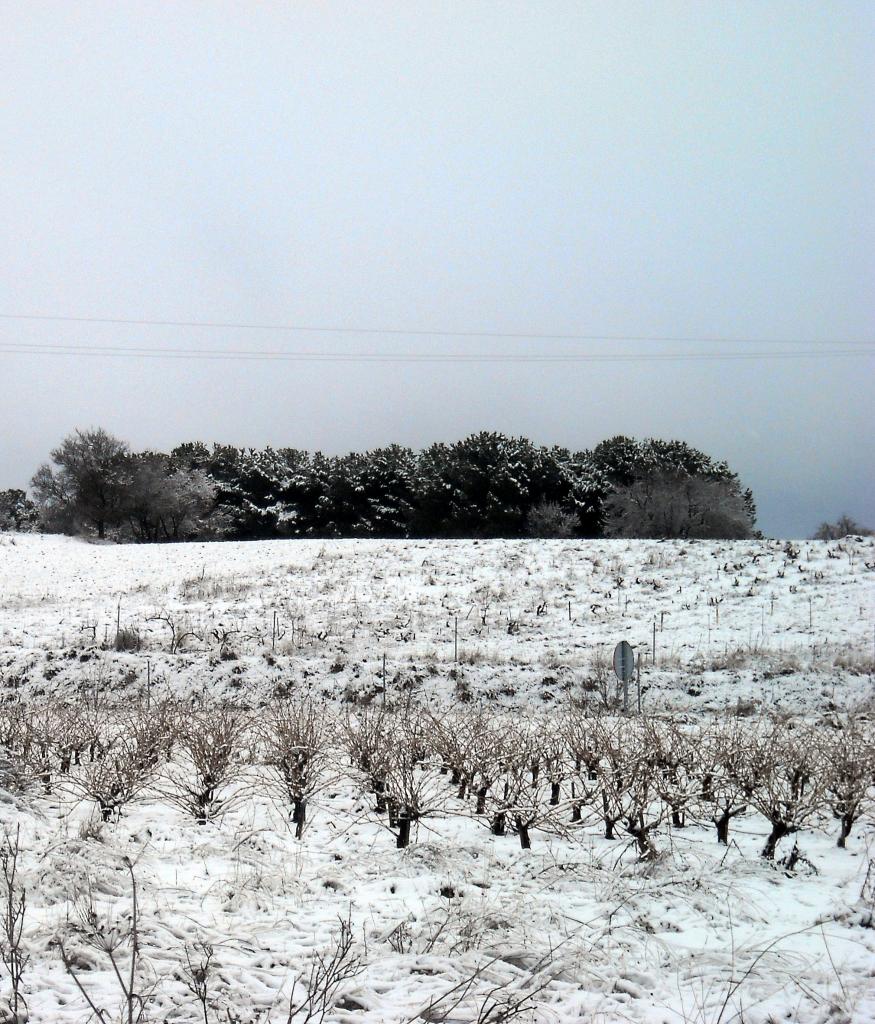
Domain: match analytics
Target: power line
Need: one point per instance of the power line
(424, 333)
(140, 352)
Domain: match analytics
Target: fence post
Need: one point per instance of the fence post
(638, 681)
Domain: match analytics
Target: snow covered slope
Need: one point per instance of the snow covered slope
(515, 621)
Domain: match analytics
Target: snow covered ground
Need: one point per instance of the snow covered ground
(739, 621)
(461, 925)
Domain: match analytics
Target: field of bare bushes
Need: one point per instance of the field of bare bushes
(474, 832)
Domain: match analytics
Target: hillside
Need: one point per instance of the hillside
(512, 621)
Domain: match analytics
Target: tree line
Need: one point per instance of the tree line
(486, 485)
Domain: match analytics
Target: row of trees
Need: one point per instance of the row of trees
(487, 485)
(515, 774)
(844, 526)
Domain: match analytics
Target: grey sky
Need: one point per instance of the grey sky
(600, 168)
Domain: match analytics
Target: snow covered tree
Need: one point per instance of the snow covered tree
(167, 503)
(674, 504)
(486, 485)
(389, 486)
(17, 511)
(631, 474)
(191, 455)
(90, 483)
(370, 494)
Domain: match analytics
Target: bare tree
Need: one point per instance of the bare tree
(674, 756)
(581, 741)
(368, 737)
(786, 779)
(140, 745)
(519, 799)
(42, 727)
(163, 503)
(458, 739)
(675, 504)
(90, 483)
(210, 744)
(13, 909)
(295, 736)
(82, 730)
(413, 784)
(630, 794)
(849, 759)
(15, 773)
(548, 519)
(843, 527)
(608, 739)
(726, 781)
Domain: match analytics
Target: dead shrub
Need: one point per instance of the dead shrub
(295, 736)
(210, 757)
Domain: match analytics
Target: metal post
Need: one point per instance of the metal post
(638, 680)
(456, 639)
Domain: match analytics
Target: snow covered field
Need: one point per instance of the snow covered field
(461, 925)
(734, 621)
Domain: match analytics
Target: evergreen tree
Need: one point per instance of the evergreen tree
(17, 511)
(486, 485)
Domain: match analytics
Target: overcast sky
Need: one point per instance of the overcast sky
(648, 169)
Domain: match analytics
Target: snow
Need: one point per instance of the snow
(738, 620)
(706, 933)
